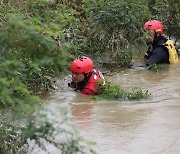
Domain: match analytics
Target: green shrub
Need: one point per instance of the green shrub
(168, 12)
(114, 24)
(14, 94)
(32, 50)
(115, 92)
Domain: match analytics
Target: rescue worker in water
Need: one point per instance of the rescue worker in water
(158, 51)
(84, 77)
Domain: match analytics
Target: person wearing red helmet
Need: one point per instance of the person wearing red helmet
(157, 52)
(84, 77)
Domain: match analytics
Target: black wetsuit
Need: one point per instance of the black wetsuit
(159, 53)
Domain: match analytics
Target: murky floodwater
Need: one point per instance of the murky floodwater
(149, 126)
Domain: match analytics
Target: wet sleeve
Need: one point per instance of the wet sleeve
(152, 60)
(158, 55)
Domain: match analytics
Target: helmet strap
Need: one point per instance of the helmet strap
(82, 84)
(157, 34)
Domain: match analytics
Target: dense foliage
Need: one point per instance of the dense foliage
(33, 50)
(115, 27)
(167, 11)
(115, 24)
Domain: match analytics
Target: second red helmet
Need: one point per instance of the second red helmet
(82, 65)
(154, 25)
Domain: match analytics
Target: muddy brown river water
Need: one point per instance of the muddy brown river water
(150, 126)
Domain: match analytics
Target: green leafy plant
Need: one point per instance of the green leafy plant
(41, 130)
(121, 59)
(33, 50)
(168, 12)
(114, 24)
(115, 92)
(14, 94)
(155, 68)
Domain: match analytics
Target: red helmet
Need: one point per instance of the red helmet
(154, 25)
(82, 65)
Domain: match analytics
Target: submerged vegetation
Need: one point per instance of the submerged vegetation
(155, 68)
(116, 92)
(38, 40)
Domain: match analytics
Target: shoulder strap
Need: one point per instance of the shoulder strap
(173, 55)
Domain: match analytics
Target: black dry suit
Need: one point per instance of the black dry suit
(158, 54)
